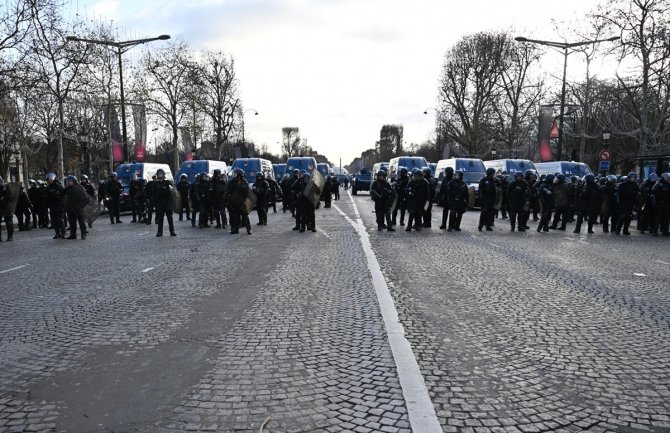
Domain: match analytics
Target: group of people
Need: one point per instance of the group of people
(552, 200)
(298, 201)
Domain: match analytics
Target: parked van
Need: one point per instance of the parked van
(193, 168)
(510, 166)
(251, 166)
(380, 166)
(409, 162)
(324, 169)
(143, 170)
(473, 171)
(433, 168)
(279, 170)
(568, 168)
(306, 163)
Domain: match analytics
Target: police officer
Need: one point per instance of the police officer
(274, 193)
(517, 202)
(35, 197)
(133, 189)
(327, 192)
(457, 196)
(202, 191)
(113, 190)
(608, 208)
(417, 195)
(428, 210)
(561, 203)
(400, 187)
(443, 197)
(184, 188)
(286, 193)
(262, 190)
(9, 223)
(23, 210)
(295, 211)
(627, 195)
(383, 194)
(487, 200)
(150, 199)
(162, 202)
(218, 197)
(546, 194)
(141, 200)
(73, 190)
(90, 190)
(305, 207)
(661, 192)
(646, 219)
(335, 187)
(589, 203)
(54, 201)
(238, 190)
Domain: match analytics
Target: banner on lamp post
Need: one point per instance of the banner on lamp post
(544, 133)
(115, 137)
(188, 144)
(140, 119)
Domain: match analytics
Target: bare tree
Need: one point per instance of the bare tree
(290, 141)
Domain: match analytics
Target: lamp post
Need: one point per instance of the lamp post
(565, 46)
(83, 139)
(494, 152)
(243, 113)
(120, 48)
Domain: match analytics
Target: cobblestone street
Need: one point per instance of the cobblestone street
(216, 332)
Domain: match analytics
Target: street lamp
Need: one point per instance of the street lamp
(494, 152)
(245, 112)
(83, 139)
(564, 46)
(120, 48)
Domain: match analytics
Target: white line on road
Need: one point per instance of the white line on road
(14, 269)
(358, 215)
(325, 234)
(146, 270)
(662, 262)
(638, 274)
(583, 242)
(143, 233)
(420, 409)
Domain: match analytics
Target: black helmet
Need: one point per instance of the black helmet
(560, 178)
(202, 175)
(602, 180)
(458, 175)
(381, 173)
(112, 175)
(490, 171)
(183, 176)
(426, 171)
(589, 178)
(449, 170)
(666, 177)
(296, 171)
(160, 173)
(259, 175)
(632, 176)
(549, 178)
(306, 175)
(518, 175)
(239, 172)
(71, 178)
(403, 171)
(653, 177)
(83, 177)
(217, 172)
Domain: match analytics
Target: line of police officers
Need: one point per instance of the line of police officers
(299, 203)
(610, 200)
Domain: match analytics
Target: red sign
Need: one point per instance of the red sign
(605, 155)
(554, 130)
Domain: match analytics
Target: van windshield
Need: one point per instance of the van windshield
(521, 165)
(412, 163)
(466, 165)
(306, 164)
(473, 176)
(575, 169)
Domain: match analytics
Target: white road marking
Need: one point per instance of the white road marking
(325, 234)
(14, 269)
(583, 242)
(637, 274)
(358, 215)
(420, 409)
(143, 233)
(662, 262)
(495, 245)
(146, 270)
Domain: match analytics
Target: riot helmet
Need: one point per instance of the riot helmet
(666, 177)
(426, 171)
(50, 177)
(112, 175)
(183, 176)
(83, 178)
(32, 182)
(217, 172)
(602, 181)
(160, 173)
(632, 176)
(449, 170)
(403, 171)
(239, 173)
(653, 177)
(306, 176)
(296, 172)
(490, 172)
(611, 178)
(560, 178)
(589, 178)
(549, 178)
(71, 178)
(458, 175)
(518, 175)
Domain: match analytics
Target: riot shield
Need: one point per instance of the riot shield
(175, 199)
(394, 202)
(314, 187)
(8, 205)
(92, 210)
(472, 194)
(77, 198)
(249, 203)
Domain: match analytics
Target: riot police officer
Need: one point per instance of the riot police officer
(218, 196)
(561, 203)
(238, 190)
(627, 195)
(54, 201)
(443, 197)
(646, 219)
(305, 206)
(202, 190)
(428, 209)
(77, 198)
(417, 195)
(35, 197)
(327, 194)
(457, 197)
(184, 187)
(163, 202)
(383, 194)
(150, 199)
(262, 190)
(517, 202)
(9, 223)
(589, 203)
(400, 187)
(133, 188)
(661, 192)
(608, 208)
(113, 190)
(23, 210)
(487, 200)
(90, 190)
(546, 194)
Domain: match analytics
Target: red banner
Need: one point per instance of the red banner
(117, 151)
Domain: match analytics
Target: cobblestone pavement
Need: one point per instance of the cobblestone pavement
(203, 332)
(534, 332)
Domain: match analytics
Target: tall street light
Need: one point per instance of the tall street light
(120, 48)
(564, 46)
(245, 112)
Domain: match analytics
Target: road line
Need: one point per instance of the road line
(420, 409)
(14, 269)
(583, 242)
(638, 274)
(143, 233)
(358, 215)
(325, 234)
(662, 262)
(146, 270)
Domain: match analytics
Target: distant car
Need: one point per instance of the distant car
(361, 182)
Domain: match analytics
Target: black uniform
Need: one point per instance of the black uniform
(161, 196)
(517, 203)
(238, 189)
(443, 198)
(417, 195)
(9, 223)
(546, 194)
(609, 208)
(627, 194)
(35, 197)
(184, 189)
(54, 201)
(274, 192)
(487, 201)
(304, 209)
(428, 210)
(661, 192)
(589, 204)
(327, 193)
(23, 210)
(195, 201)
(113, 190)
(457, 198)
(262, 190)
(335, 187)
(133, 189)
(400, 187)
(90, 190)
(647, 217)
(218, 189)
(74, 214)
(202, 190)
(561, 205)
(383, 194)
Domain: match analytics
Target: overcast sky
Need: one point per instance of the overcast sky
(337, 69)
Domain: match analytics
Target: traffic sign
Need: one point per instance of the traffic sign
(604, 166)
(605, 155)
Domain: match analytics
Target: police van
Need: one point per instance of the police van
(510, 166)
(473, 171)
(409, 162)
(306, 163)
(567, 168)
(193, 168)
(380, 166)
(251, 166)
(143, 170)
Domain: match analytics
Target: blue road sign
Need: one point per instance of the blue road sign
(604, 165)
